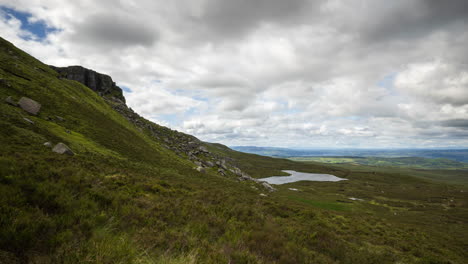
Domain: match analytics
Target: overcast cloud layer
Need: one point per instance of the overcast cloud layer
(291, 73)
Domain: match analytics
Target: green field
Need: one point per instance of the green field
(402, 162)
(125, 197)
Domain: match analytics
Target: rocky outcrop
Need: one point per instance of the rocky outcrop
(98, 82)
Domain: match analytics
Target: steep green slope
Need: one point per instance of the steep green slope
(131, 193)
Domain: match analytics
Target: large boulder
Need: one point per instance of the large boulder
(29, 105)
(63, 149)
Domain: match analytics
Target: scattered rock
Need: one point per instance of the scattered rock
(268, 187)
(246, 177)
(63, 149)
(264, 195)
(192, 144)
(355, 199)
(203, 149)
(29, 105)
(59, 118)
(293, 189)
(236, 171)
(221, 172)
(243, 178)
(28, 120)
(48, 144)
(200, 169)
(209, 164)
(9, 100)
(222, 164)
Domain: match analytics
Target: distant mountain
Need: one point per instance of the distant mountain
(452, 154)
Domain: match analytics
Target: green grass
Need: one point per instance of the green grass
(321, 204)
(125, 198)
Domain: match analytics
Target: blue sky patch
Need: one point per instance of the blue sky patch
(171, 119)
(387, 81)
(126, 89)
(39, 28)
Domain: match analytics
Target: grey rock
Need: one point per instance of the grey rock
(209, 164)
(28, 120)
(29, 105)
(222, 163)
(201, 169)
(192, 144)
(246, 177)
(221, 172)
(48, 144)
(63, 149)
(236, 171)
(203, 149)
(268, 187)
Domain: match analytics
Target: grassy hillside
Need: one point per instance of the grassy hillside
(131, 195)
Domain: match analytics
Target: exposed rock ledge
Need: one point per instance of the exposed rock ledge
(98, 82)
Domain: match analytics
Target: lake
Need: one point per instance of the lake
(301, 176)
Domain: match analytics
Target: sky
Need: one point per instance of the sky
(296, 73)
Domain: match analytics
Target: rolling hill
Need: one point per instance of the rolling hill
(85, 179)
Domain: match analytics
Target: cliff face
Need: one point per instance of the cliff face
(98, 82)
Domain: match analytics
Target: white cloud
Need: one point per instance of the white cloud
(437, 81)
(301, 73)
